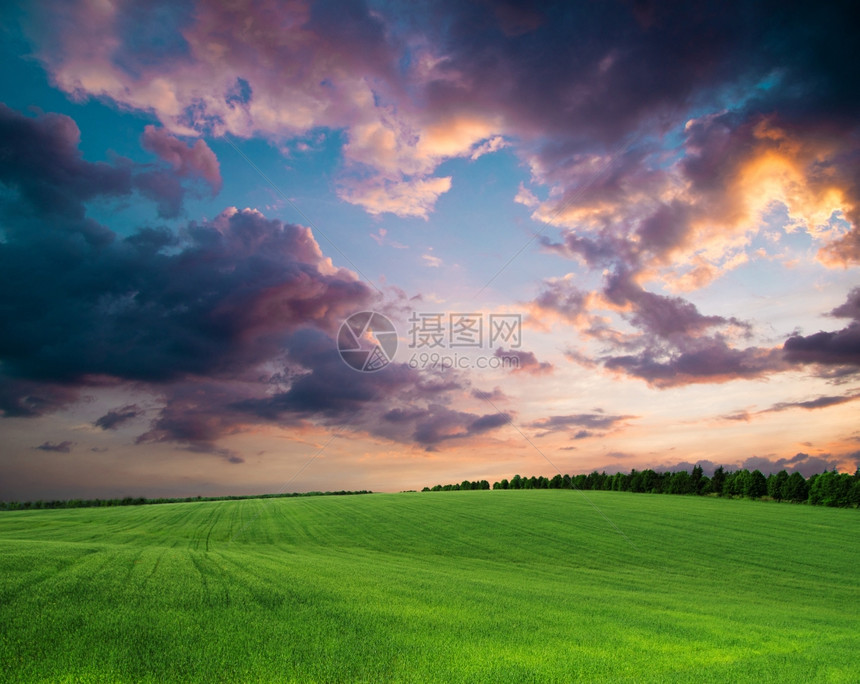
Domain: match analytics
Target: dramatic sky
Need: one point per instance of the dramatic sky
(195, 195)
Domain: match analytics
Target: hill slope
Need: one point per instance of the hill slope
(463, 586)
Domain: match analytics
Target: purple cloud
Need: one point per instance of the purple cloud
(587, 421)
(116, 417)
(838, 348)
(197, 160)
(64, 447)
(522, 361)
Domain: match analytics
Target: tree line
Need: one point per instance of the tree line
(829, 488)
(141, 501)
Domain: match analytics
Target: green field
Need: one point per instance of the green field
(501, 586)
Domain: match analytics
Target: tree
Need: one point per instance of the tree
(696, 477)
(718, 481)
(755, 486)
(680, 483)
(796, 488)
(775, 485)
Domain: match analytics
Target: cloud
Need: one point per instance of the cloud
(230, 322)
(195, 160)
(841, 347)
(412, 90)
(403, 197)
(43, 164)
(522, 361)
(526, 197)
(801, 463)
(41, 161)
(494, 144)
(587, 421)
(495, 395)
(116, 417)
(672, 342)
(812, 404)
(381, 239)
(64, 447)
(432, 261)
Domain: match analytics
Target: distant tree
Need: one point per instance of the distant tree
(516, 482)
(718, 481)
(483, 484)
(755, 486)
(854, 492)
(556, 482)
(681, 483)
(652, 481)
(737, 482)
(776, 484)
(504, 483)
(565, 482)
(831, 489)
(796, 488)
(696, 477)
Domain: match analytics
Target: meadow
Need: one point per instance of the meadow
(472, 586)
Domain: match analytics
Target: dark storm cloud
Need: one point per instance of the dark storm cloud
(398, 403)
(41, 161)
(20, 398)
(589, 73)
(220, 304)
(193, 314)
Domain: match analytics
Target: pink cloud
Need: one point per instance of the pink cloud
(195, 160)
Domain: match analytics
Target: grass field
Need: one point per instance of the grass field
(501, 586)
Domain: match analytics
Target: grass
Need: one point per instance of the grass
(502, 586)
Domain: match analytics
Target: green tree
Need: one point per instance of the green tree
(755, 485)
(680, 483)
(718, 481)
(796, 488)
(696, 477)
(776, 484)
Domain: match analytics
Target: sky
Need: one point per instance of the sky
(607, 235)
